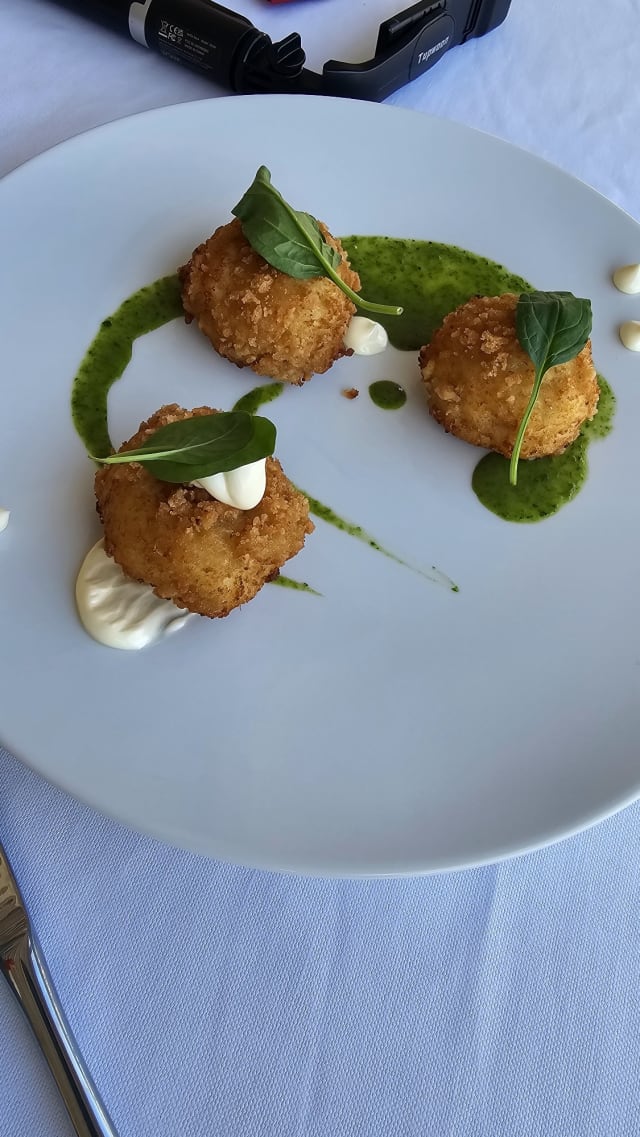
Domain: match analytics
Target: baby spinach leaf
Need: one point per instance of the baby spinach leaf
(552, 327)
(291, 241)
(200, 446)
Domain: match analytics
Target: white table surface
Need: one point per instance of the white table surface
(215, 1000)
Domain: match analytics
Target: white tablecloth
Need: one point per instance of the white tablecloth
(207, 999)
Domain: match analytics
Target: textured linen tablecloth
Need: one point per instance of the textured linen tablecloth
(210, 999)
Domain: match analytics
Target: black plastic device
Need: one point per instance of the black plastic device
(228, 48)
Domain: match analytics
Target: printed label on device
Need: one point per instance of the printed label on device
(433, 42)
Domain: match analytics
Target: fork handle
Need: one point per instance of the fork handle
(27, 975)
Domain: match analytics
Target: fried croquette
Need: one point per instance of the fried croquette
(258, 317)
(478, 381)
(193, 550)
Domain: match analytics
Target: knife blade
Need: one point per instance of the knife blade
(24, 968)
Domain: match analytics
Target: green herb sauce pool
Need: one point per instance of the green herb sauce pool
(427, 278)
(387, 395)
(544, 484)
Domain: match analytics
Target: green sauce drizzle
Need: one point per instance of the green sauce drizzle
(544, 484)
(110, 352)
(297, 585)
(387, 395)
(253, 400)
(427, 278)
(325, 513)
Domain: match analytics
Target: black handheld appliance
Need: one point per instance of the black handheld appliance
(228, 48)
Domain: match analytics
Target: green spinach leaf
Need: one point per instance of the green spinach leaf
(552, 327)
(291, 241)
(203, 445)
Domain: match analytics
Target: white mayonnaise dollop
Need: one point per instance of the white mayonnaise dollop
(120, 612)
(5, 514)
(630, 334)
(365, 337)
(243, 488)
(627, 278)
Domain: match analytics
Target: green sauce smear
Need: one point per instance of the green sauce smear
(329, 515)
(297, 585)
(387, 395)
(427, 278)
(544, 484)
(110, 352)
(253, 400)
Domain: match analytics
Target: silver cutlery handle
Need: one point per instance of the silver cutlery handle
(27, 975)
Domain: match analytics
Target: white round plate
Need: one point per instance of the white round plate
(391, 726)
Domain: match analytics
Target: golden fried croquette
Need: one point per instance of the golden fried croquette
(478, 380)
(258, 317)
(191, 549)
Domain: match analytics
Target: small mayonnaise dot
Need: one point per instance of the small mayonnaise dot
(630, 334)
(365, 337)
(4, 518)
(243, 488)
(627, 279)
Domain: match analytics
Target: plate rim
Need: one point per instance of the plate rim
(560, 832)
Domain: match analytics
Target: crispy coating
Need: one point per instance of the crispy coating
(203, 555)
(478, 381)
(258, 317)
